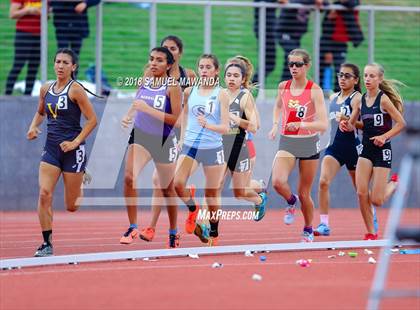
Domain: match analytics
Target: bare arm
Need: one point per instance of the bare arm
(355, 104)
(248, 106)
(223, 127)
(16, 11)
(348, 125)
(321, 122)
(78, 95)
(396, 116)
(277, 111)
(184, 117)
(39, 116)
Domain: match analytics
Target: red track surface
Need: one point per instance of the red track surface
(185, 283)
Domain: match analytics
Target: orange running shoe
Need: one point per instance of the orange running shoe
(174, 241)
(129, 236)
(370, 236)
(192, 216)
(147, 234)
(213, 241)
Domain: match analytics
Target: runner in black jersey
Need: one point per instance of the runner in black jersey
(381, 105)
(243, 117)
(63, 101)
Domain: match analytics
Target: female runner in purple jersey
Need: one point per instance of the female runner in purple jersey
(185, 77)
(156, 109)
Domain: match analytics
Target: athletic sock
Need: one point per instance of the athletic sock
(214, 229)
(173, 231)
(292, 200)
(47, 235)
(308, 229)
(324, 219)
(191, 205)
(134, 226)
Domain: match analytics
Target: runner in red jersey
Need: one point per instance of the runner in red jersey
(301, 105)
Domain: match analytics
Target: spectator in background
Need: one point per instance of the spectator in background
(292, 25)
(27, 42)
(270, 38)
(71, 22)
(338, 28)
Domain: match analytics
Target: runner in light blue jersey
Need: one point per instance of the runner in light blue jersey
(205, 120)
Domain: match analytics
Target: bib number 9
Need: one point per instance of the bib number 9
(378, 119)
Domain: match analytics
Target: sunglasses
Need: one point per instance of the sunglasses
(346, 76)
(298, 64)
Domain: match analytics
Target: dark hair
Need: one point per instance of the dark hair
(169, 57)
(243, 70)
(73, 56)
(216, 63)
(177, 41)
(356, 72)
(75, 61)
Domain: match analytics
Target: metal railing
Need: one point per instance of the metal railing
(207, 31)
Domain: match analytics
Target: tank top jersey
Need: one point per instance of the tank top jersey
(375, 121)
(345, 109)
(297, 109)
(235, 131)
(195, 135)
(157, 99)
(63, 115)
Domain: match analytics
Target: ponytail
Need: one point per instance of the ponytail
(390, 88)
(249, 70)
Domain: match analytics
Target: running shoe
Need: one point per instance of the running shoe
(307, 237)
(202, 231)
(129, 235)
(192, 216)
(375, 220)
(260, 209)
(289, 216)
(45, 249)
(322, 230)
(213, 241)
(147, 234)
(370, 236)
(174, 241)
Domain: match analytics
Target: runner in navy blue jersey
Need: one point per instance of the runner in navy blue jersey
(63, 101)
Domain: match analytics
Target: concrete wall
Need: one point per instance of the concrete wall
(19, 159)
